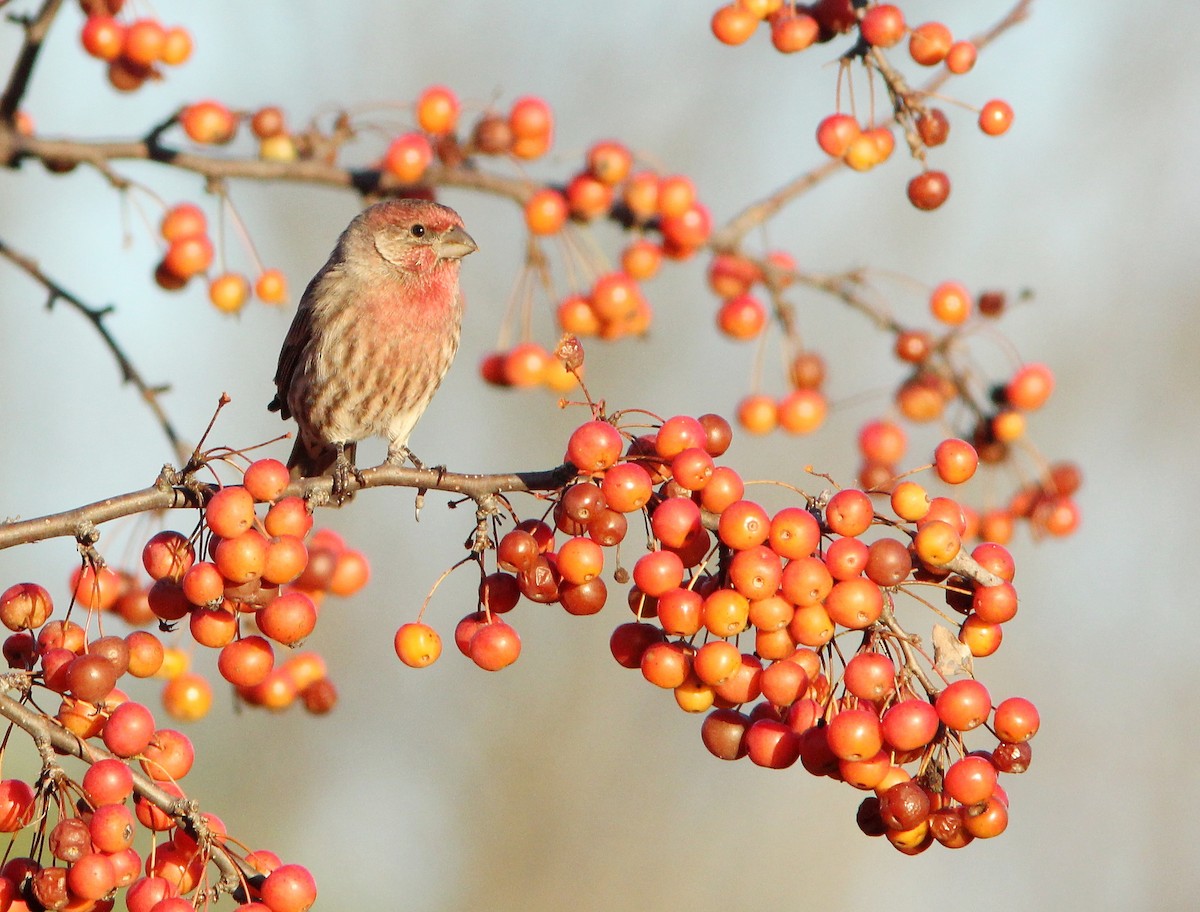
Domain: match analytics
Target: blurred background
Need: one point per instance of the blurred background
(566, 779)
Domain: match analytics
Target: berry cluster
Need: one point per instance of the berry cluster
(668, 221)
(190, 253)
(525, 133)
(269, 571)
(260, 588)
(133, 49)
(799, 584)
(82, 849)
(940, 383)
(880, 26)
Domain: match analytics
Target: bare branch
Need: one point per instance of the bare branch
(35, 33)
(96, 316)
(99, 155)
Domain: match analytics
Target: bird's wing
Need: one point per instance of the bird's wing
(297, 338)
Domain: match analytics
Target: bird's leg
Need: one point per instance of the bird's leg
(343, 469)
(398, 455)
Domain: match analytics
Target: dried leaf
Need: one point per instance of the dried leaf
(950, 655)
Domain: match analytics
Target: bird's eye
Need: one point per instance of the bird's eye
(417, 230)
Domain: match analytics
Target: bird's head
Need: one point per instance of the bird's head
(417, 236)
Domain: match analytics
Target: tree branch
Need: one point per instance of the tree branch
(172, 491)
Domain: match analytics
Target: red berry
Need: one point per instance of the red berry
(929, 189)
(836, 132)
(963, 705)
(883, 25)
(930, 43)
(289, 888)
(594, 447)
(494, 646)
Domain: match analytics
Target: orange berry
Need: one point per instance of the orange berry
(683, 233)
(1008, 425)
(182, 221)
(910, 501)
(936, 543)
(995, 117)
(188, 257)
(641, 195)
(530, 118)
(641, 259)
(835, 133)
(208, 122)
(417, 645)
(546, 211)
(187, 697)
(950, 302)
(588, 197)
(961, 57)
(758, 413)
(407, 157)
(955, 460)
(144, 42)
(802, 411)
(576, 316)
(526, 365)
(732, 24)
(676, 195)
(793, 30)
(883, 25)
(271, 287)
(177, 46)
(929, 44)
(229, 291)
(437, 110)
(103, 37)
(742, 317)
(1029, 387)
(609, 161)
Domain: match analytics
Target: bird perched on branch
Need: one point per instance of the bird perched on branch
(375, 332)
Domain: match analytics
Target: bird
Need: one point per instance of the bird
(373, 337)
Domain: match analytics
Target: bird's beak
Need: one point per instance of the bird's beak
(455, 244)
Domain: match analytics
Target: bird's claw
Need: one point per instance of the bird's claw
(343, 470)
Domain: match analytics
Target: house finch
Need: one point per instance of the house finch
(373, 336)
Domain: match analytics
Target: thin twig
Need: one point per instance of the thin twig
(905, 639)
(97, 317)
